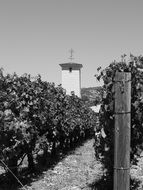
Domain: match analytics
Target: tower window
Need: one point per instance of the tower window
(70, 69)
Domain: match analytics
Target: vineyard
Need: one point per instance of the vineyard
(38, 119)
(104, 139)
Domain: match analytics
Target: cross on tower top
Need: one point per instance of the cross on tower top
(71, 54)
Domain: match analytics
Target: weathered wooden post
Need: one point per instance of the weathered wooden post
(122, 131)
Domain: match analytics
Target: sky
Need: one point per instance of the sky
(36, 35)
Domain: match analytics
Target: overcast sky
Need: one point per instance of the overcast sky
(36, 35)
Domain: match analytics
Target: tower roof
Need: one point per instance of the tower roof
(71, 65)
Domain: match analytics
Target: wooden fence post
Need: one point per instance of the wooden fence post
(122, 131)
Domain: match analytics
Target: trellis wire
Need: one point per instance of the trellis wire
(13, 174)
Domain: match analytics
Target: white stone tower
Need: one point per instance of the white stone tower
(71, 77)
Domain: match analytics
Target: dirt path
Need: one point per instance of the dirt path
(76, 171)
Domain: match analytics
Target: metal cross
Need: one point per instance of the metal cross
(71, 56)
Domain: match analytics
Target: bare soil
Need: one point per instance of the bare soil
(76, 171)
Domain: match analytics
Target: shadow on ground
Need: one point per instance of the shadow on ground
(107, 184)
(26, 176)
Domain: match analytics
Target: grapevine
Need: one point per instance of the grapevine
(104, 138)
(36, 117)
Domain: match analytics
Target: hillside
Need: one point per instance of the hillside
(91, 95)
